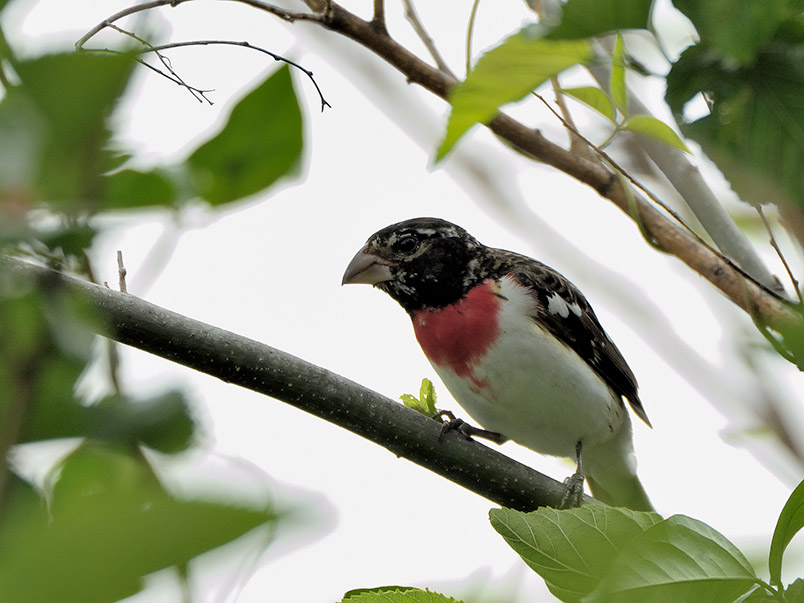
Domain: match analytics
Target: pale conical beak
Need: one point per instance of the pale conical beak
(366, 268)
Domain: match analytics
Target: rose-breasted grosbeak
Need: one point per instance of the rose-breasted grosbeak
(516, 344)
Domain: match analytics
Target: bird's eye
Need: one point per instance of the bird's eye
(407, 244)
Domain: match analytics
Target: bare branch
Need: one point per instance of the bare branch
(121, 272)
(171, 74)
(778, 249)
(412, 16)
(273, 55)
(266, 370)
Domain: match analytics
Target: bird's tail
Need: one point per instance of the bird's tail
(611, 472)
(626, 492)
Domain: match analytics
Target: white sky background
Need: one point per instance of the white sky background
(270, 269)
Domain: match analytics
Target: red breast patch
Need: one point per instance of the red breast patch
(457, 336)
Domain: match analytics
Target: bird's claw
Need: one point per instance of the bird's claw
(452, 423)
(573, 496)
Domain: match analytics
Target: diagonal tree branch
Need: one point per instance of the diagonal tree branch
(266, 370)
(756, 299)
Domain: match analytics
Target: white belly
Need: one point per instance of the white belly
(545, 396)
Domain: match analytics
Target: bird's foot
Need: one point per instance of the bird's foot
(573, 496)
(449, 422)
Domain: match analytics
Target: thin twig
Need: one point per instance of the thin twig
(378, 20)
(172, 75)
(79, 45)
(121, 272)
(198, 94)
(577, 143)
(470, 30)
(778, 249)
(412, 16)
(243, 44)
(609, 160)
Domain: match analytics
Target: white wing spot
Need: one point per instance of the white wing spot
(557, 305)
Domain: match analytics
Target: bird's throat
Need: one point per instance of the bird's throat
(458, 335)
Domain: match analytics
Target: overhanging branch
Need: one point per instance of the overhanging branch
(266, 370)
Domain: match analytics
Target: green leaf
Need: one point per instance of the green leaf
(163, 423)
(755, 132)
(594, 98)
(111, 525)
(504, 74)
(426, 402)
(260, 143)
(735, 29)
(68, 99)
(589, 18)
(795, 592)
(376, 589)
(619, 91)
(654, 128)
(678, 559)
(394, 594)
(126, 189)
(572, 549)
(790, 522)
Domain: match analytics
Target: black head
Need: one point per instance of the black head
(421, 263)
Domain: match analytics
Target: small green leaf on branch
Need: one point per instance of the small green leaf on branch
(656, 129)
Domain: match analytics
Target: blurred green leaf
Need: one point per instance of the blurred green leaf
(395, 594)
(588, 18)
(261, 142)
(755, 132)
(504, 74)
(69, 240)
(73, 94)
(735, 29)
(619, 91)
(163, 422)
(656, 129)
(594, 98)
(22, 130)
(129, 188)
(111, 525)
(572, 549)
(791, 521)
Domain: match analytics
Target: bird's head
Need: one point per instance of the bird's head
(421, 263)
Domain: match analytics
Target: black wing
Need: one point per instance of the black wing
(571, 319)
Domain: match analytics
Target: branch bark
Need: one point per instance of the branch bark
(241, 361)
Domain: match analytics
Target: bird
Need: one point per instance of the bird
(518, 347)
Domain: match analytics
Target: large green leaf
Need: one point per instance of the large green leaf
(111, 524)
(260, 143)
(735, 29)
(507, 73)
(755, 132)
(129, 188)
(395, 594)
(572, 549)
(678, 559)
(791, 521)
(588, 18)
(65, 100)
